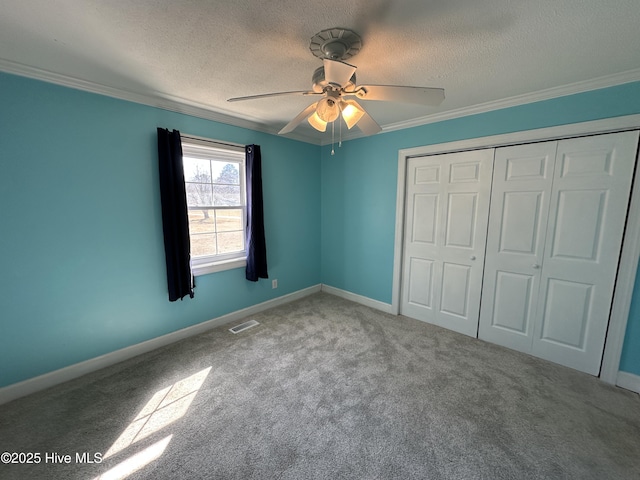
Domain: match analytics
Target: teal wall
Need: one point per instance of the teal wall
(81, 253)
(630, 359)
(359, 187)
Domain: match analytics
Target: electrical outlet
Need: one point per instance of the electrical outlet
(274, 283)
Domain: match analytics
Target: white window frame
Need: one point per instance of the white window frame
(198, 147)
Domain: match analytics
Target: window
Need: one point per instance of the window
(216, 201)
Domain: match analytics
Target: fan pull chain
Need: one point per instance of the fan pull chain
(333, 130)
(340, 135)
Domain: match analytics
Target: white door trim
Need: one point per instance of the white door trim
(631, 241)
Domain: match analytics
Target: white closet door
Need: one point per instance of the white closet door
(522, 182)
(558, 212)
(447, 207)
(587, 215)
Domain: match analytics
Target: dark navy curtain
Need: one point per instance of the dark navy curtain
(175, 221)
(256, 246)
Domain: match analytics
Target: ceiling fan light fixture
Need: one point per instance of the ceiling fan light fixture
(336, 79)
(316, 122)
(327, 110)
(351, 112)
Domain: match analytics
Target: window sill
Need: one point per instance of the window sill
(207, 268)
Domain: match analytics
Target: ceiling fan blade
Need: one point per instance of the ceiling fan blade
(367, 124)
(338, 72)
(301, 117)
(395, 93)
(267, 95)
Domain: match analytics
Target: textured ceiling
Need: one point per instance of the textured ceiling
(199, 52)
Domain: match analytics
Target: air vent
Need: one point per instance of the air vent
(243, 326)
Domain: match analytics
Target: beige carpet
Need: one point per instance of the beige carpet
(327, 389)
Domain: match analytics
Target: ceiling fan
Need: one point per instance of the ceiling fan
(335, 82)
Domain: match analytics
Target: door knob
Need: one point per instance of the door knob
(472, 257)
(535, 265)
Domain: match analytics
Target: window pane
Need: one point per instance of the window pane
(214, 178)
(229, 220)
(198, 194)
(196, 170)
(226, 195)
(201, 221)
(224, 172)
(203, 245)
(230, 242)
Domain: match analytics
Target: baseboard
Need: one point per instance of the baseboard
(628, 381)
(354, 297)
(32, 385)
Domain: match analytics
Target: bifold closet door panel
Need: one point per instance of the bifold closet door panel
(588, 210)
(522, 181)
(558, 211)
(447, 207)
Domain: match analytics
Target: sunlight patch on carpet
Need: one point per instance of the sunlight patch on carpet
(165, 407)
(136, 462)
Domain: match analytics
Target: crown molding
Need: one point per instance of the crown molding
(155, 99)
(187, 107)
(547, 94)
(541, 95)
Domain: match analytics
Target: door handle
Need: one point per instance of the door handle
(472, 257)
(535, 265)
